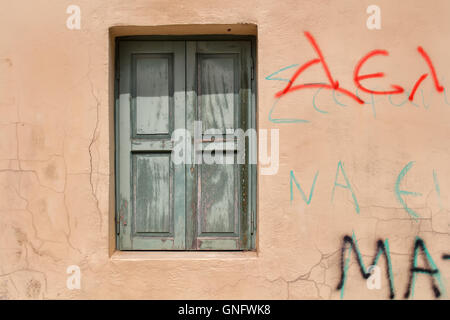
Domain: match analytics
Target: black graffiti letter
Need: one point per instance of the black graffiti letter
(431, 271)
(380, 248)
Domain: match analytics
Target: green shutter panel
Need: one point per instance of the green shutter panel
(218, 95)
(151, 188)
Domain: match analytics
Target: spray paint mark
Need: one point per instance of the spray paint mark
(431, 270)
(437, 187)
(292, 179)
(445, 97)
(340, 168)
(357, 78)
(270, 77)
(333, 85)
(381, 248)
(283, 120)
(399, 193)
(425, 55)
(314, 102)
(416, 85)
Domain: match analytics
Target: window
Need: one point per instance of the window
(207, 89)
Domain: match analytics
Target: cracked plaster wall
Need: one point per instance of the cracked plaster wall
(56, 147)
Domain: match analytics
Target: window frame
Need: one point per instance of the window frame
(251, 181)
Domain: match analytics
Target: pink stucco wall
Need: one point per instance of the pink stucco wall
(57, 147)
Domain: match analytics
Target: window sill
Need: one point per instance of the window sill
(182, 255)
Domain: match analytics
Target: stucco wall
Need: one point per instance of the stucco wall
(57, 147)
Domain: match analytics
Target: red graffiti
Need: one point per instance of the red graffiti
(439, 88)
(357, 78)
(413, 92)
(334, 85)
(437, 85)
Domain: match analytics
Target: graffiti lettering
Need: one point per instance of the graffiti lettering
(381, 248)
(341, 175)
(431, 270)
(333, 84)
(349, 244)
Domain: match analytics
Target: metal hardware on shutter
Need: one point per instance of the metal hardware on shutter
(117, 226)
(252, 70)
(252, 224)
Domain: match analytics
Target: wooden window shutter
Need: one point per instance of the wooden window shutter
(165, 85)
(219, 95)
(151, 105)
